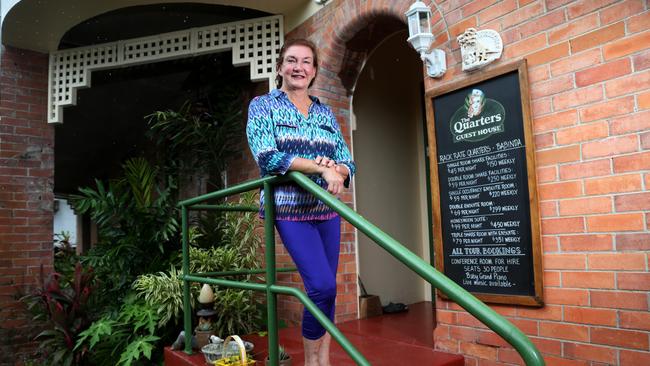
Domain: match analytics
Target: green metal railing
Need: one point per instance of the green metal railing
(467, 301)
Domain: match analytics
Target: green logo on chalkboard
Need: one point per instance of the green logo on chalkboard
(478, 119)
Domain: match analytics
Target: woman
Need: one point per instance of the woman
(289, 130)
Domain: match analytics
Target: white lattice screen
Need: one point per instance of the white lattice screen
(255, 42)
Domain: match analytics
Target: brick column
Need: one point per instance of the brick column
(26, 197)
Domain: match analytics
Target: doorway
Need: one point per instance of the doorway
(389, 149)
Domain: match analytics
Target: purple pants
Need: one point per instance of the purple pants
(314, 247)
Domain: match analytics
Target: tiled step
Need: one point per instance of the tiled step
(395, 339)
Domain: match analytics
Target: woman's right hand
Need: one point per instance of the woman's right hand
(334, 180)
(327, 169)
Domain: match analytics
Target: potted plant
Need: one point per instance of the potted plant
(284, 358)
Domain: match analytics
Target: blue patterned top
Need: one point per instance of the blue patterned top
(278, 133)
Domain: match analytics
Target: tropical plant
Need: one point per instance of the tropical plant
(195, 140)
(125, 338)
(162, 291)
(138, 225)
(284, 358)
(62, 240)
(239, 311)
(223, 228)
(65, 256)
(61, 307)
(134, 206)
(283, 354)
(138, 220)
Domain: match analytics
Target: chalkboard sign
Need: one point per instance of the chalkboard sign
(484, 192)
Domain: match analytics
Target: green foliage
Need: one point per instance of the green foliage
(127, 336)
(214, 259)
(133, 207)
(138, 227)
(55, 348)
(162, 291)
(65, 256)
(62, 240)
(239, 311)
(235, 229)
(195, 140)
(142, 180)
(135, 350)
(140, 317)
(137, 220)
(94, 333)
(283, 354)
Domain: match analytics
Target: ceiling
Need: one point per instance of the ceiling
(39, 25)
(149, 20)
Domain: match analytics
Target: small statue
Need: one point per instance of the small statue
(179, 343)
(205, 322)
(203, 330)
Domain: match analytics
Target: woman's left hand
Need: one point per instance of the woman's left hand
(324, 161)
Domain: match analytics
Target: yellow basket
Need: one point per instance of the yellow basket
(235, 360)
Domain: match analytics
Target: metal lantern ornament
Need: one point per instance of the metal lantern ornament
(420, 38)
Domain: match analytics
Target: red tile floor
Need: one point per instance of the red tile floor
(391, 339)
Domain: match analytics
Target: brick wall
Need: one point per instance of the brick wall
(589, 71)
(26, 181)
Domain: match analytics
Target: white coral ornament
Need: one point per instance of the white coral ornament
(479, 48)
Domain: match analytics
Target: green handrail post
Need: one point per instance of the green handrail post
(187, 305)
(269, 249)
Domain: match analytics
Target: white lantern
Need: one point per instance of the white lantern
(419, 21)
(420, 37)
